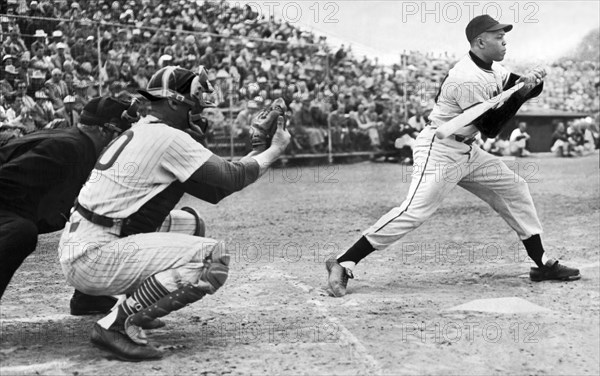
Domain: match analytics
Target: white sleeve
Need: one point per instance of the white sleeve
(184, 156)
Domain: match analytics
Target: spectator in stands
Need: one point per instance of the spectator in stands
(23, 71)
(140, 77)
(43, 112)
(208, 59)
(366, 121)
(241, 125)
(518, 141)
(19, 118)
(338, 127)
(28, 102)
(575, 138)
(41, 62)
(56, 88)
(57, 37)
(70, 116)
(560, 143)
(309, 136)
(419, 120)
(7, 84)
(13, 44)
(3, 107)
(58, 59)
(38, 79)
(40, 42)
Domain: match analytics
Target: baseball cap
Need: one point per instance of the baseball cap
(483, 23)
(112, 113)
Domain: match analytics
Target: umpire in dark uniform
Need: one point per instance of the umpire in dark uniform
(40, 177)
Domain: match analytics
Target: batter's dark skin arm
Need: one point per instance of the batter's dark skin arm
(491, 123)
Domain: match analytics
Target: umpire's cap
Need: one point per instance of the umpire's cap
(483, 23)
(108, 112)
(173, 82)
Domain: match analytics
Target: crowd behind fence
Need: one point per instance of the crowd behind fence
(57, 55)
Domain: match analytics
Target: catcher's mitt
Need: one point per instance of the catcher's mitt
(264, 125)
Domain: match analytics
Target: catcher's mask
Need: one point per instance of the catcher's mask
(182, 86)
(111, 113)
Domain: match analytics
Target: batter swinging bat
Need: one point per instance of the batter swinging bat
(474, 112)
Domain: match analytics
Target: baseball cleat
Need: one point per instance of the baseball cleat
(83, 304)
(338, 277)
(554, 271)
(118, 344)
(152, 324)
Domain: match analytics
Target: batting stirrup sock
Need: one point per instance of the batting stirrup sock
(535, 250)
(149, 292)
(361, 249)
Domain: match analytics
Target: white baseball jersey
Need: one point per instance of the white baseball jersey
(466, 85)
(138, 165)
(442, 164)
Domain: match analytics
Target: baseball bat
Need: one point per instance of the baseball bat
(474, 112)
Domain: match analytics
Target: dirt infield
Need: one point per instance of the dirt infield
(274, 316)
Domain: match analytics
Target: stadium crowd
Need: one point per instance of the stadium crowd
(56, 55)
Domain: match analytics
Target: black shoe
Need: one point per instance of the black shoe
(118, 344)
(554, 271)
(83, 304)
(152, 324)
(338, 277)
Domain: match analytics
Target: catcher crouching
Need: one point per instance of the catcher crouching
(124, 236)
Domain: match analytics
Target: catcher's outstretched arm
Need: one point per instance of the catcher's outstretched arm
(217, 178)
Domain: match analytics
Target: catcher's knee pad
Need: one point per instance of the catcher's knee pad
(216, 267)
(200, 225)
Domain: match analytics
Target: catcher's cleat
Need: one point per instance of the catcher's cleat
(83, 304)
(554, 271)
(338, 277)
(118, 344)
(200, 226)
(152, 324)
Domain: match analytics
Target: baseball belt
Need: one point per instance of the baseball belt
(95, 218)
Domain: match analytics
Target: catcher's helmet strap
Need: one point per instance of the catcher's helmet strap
(170, 94)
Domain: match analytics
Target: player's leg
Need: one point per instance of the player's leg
(176, 267)
(18, 239)
(437, 169)
(184, 221)
(508, 194)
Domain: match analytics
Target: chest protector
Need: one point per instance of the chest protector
(153, 213)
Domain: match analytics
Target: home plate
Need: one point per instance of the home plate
(500, 305)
